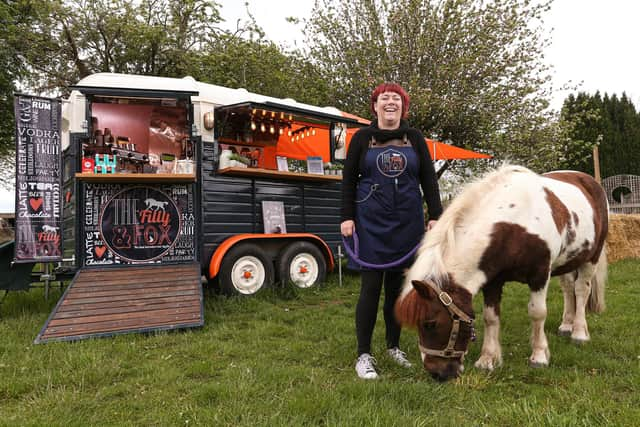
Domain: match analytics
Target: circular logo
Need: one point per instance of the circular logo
(391, 163)
(140, 224)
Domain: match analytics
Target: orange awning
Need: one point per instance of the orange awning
(441, 151)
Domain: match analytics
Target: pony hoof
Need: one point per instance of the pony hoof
(533, 364)
(487, 363)
(564, 333)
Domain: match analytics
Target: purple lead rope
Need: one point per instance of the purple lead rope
(353, 254)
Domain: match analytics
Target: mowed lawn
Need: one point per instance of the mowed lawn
(286, 357)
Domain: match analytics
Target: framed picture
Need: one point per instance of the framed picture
(314, 165)
(273, 217)
(283, 166)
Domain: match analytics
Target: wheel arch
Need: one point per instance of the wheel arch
(280, 241)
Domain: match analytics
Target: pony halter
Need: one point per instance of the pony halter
(457, 315)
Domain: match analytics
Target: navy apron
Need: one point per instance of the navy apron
(389, 215)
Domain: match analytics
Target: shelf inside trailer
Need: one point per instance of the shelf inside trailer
(136, 177)
(268, 173)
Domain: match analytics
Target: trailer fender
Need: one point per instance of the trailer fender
(216, 259)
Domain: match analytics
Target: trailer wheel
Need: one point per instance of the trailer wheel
(245, 270)
(301, 263)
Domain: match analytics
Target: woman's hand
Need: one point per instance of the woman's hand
(347, 227)
(430, 224)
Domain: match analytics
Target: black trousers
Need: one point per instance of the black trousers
(367, 308)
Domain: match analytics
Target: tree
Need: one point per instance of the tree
(74, 38)
(262, 67)
(610, 122)
(474, 70)
(13, 15)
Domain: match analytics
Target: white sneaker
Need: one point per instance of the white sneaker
(399, 356)
(365, 367)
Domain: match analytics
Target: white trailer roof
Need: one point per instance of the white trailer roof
(217, 95)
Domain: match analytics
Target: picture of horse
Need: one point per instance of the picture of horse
(151, 203)
(49, 229)
(512, 225)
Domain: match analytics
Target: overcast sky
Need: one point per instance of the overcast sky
(593, 41)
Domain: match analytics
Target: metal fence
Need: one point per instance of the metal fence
(623, 193)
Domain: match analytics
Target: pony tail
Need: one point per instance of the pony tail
(409, 311)
(596, 303)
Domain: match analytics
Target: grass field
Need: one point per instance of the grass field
(286, 357)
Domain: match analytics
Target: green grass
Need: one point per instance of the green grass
(286, 357)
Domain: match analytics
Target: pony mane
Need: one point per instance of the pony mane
(441, 239)
(409, 311)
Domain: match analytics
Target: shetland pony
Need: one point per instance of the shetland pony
(512, 225)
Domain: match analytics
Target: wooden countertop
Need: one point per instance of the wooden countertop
(136, 177)
(268, 173)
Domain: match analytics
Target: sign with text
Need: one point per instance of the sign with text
(38, 169)
(126, 224)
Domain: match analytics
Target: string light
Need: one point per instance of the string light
(253, 125)
(304, 131)
(262, 127)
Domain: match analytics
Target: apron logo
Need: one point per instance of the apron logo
(391, 163)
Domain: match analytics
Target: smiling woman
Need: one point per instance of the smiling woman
(387, 163)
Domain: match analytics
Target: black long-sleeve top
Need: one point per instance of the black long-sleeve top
(354, 164)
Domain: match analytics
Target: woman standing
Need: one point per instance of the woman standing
(387, 163)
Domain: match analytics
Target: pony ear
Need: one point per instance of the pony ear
(423, 289)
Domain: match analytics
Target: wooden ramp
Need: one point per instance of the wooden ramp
(124, 299)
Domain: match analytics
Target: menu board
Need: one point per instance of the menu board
(38, 169)
(132, 224)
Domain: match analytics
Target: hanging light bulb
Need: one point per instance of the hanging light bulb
(302, 135)
(272, 129)
(273, 114)
(290, 117)
(313, 131)
(308, 133)
(264, 112)
(280, 131)
(253, 112)
(281, 115)
(253, 125)
(289, 132)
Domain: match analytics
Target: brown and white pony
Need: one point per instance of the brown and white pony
(512, 225)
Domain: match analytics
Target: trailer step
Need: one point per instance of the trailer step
(102, 302)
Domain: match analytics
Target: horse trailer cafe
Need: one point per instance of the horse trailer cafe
(164, 181)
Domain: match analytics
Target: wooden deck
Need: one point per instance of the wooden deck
(108, 301)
